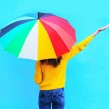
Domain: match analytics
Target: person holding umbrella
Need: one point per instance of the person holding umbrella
(50, 75)
(29, 36)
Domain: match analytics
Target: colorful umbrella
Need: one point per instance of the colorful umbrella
(38, 36)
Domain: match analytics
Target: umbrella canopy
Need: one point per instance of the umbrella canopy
(38, 36)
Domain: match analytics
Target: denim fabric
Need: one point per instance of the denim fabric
(51, 98)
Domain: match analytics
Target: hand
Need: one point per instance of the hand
(103, 28)
(100, 29)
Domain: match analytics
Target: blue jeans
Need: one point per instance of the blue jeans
(51, 98)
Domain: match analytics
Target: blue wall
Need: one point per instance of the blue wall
(87, 85)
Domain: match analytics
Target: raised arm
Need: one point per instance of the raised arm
(81, 45)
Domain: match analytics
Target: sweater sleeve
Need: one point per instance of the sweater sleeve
(38, 73)
(78, 47)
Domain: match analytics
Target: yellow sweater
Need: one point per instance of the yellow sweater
(55, 77)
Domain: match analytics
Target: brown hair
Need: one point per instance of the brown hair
(53, 62)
